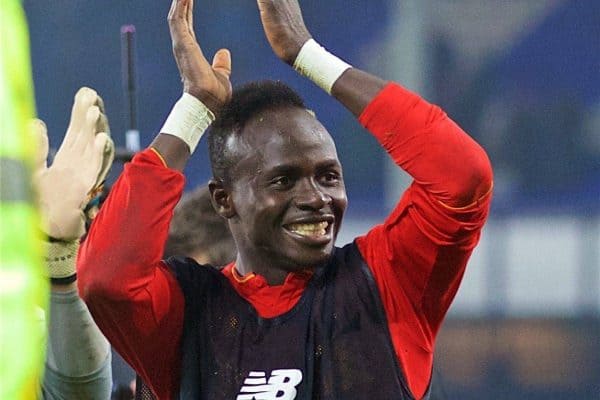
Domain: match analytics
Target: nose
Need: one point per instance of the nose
(310, 196)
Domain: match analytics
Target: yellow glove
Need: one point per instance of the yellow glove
(79, 168)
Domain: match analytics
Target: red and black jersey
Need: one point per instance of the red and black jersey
(334, 343)
(416, 257)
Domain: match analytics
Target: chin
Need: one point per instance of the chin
(304, 252)
(312, 259)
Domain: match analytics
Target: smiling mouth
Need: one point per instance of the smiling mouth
(310, 230)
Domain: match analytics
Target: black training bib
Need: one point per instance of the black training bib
(333, 344)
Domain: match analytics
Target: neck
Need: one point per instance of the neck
(273, 275)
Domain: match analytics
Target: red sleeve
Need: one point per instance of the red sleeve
(133, 297)
(418, 255)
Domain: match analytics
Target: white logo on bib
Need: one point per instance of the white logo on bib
(280, 386)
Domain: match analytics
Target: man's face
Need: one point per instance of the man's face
(287, 190)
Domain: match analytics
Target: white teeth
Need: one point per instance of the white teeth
(318, 229)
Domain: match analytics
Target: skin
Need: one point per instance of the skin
(291, 175)
(286, 32)
(208, 82)
(259, 214)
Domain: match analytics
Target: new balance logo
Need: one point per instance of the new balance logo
(281, 385)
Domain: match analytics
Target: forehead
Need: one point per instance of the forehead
(289, 136)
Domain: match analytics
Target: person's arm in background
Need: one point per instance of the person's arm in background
(418, 256)
(77, 354)
(78, 358)
(134, 298)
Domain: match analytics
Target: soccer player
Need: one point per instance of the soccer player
(293, 317)
(77, 354)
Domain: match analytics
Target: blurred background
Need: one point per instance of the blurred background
(521, 76)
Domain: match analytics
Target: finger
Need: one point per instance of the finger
(190, 17)
(96, 158)
(86, 134)
(262, 4)
(188, 54)
(100, 103)
(178, 20)
(222, 62)
(107, 160)
(182, 35)
(265, 7)
(177, 10)
(172, 10)
(102, 125)
(40, 134)
(84, 98)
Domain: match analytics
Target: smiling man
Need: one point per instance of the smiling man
(294, 317)
(278, 181)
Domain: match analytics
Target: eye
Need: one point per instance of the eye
(281, 182)
(331, 178)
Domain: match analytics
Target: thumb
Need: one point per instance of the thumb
(222, 62)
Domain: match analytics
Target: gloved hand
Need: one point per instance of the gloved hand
(79, 168)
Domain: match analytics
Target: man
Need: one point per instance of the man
(77, 354)
(293, 317)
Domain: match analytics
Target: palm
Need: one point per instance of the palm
(209, 83)
(284, 27)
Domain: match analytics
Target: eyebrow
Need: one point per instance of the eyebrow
(291, 168)
(329, 164)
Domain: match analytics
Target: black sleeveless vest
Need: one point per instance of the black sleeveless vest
(333, 344)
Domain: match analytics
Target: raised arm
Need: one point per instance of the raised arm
(77, 354)
(418, 256)
(408, 114)
(202, 81)
(133, 296)
(286, 32)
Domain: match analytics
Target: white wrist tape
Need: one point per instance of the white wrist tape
(188, 120)
(319, 65)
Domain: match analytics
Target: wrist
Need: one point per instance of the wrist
(61, 257)
(204, 97)
(64, 222)
(292, 50)
(172, 151)
(317, 64)
(188, 120)
(65, 284)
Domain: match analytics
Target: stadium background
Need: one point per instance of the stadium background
(521, 76)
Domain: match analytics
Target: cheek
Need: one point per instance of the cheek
(340, 199)
(258, 206)
(267, 211)
(245, 199)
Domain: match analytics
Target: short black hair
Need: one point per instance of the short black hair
(246, 102)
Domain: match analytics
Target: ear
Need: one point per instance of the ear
(221, 198)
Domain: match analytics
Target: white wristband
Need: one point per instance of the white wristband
(188, 120)
(319, 65)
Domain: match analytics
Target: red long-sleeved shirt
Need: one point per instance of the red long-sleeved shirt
(417, 256)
